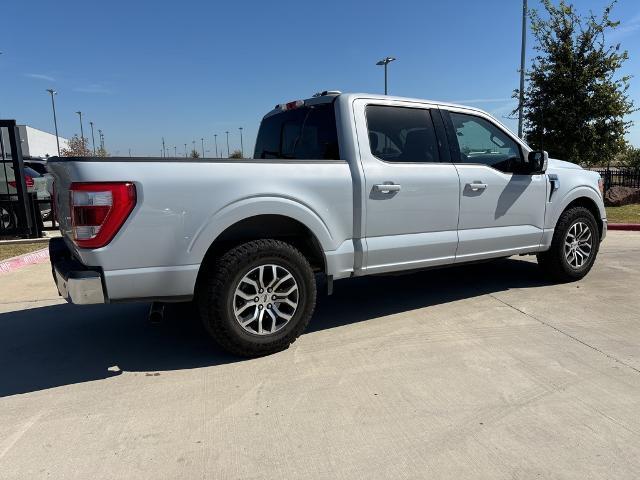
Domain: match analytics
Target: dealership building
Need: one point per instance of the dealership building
(36, 143)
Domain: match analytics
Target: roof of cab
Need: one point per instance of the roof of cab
(332, 95)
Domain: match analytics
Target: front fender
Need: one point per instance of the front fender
(245, 208)
(558, 205)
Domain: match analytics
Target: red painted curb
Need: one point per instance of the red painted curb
(15, 263)
(635, 227)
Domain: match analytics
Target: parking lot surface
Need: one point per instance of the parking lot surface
(485, 371)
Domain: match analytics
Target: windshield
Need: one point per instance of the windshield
(302, 133)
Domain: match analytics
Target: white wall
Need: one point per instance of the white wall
(36, 143)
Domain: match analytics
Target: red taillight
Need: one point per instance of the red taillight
(27, 180)
(98, 210)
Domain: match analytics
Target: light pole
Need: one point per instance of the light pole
(175, 151)
(55, 121)
(385, 61)
(101, 136)
(93, 139)
(202, 140)
(215, 139)
(241, 144)
(228, 151)
(193, 142)
(185, 150)
(522, 60)
(81, 130)
(164, 150)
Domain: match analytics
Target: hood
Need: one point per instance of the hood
(554, 163)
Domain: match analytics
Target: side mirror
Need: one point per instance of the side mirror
(538, 162)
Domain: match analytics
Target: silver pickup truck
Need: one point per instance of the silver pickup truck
(341, 185)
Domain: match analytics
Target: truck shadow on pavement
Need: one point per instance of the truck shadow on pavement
(59, 345)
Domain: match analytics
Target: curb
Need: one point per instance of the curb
(21, 261)
(630, 227)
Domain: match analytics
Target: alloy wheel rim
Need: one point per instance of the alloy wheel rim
(266, 299)
(578, 245)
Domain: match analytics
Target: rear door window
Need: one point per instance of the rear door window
(402, 134)
(307, 133)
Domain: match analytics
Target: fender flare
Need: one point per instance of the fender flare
(582, 191)
(245, 208)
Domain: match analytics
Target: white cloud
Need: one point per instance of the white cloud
(94, 88)
(40, 76)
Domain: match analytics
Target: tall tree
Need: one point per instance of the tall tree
(576, 105)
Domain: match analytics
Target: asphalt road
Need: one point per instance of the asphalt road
(478, 372)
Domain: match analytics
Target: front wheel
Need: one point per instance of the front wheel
(574, 247)
(257, 298)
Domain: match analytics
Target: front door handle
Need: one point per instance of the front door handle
(475, 186)
(387, 187)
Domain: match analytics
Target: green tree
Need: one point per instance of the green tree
(575, 103)
(236, 154)
(77, 147)
(194, 154)
(630, 158)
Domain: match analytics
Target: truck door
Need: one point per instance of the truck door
(501, 209)
(411, 188)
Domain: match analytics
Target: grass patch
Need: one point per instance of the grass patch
(625, 214)
(15, 249)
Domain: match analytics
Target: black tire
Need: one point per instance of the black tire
(554, 261)
(8, 221)
(216, 297)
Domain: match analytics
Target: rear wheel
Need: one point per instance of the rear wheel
(258, 297)
(574, 247)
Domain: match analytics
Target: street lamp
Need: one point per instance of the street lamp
(215, 139)
(185, 150)
(202, 140)
(241, 145)
(385, 61)
(175, 151)
(55, 121)
(81, 130)
(93, 139)
(228, 151)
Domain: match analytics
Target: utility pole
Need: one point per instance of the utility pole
(202, 140)
(55, 121)
(215, 139)
(522, 60)
(241, 144)
(93, 139)
(385, 61)
(228, 151)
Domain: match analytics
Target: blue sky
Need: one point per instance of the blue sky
(185, 70)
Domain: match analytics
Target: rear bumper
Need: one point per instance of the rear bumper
(76, 283)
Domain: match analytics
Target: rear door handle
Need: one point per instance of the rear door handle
(475, 186)
(387, 187)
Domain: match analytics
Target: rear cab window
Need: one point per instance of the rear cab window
(304, 133)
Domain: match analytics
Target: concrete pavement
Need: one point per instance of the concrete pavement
(478, 372)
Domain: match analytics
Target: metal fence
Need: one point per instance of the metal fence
(19, 209)
(619, 177)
